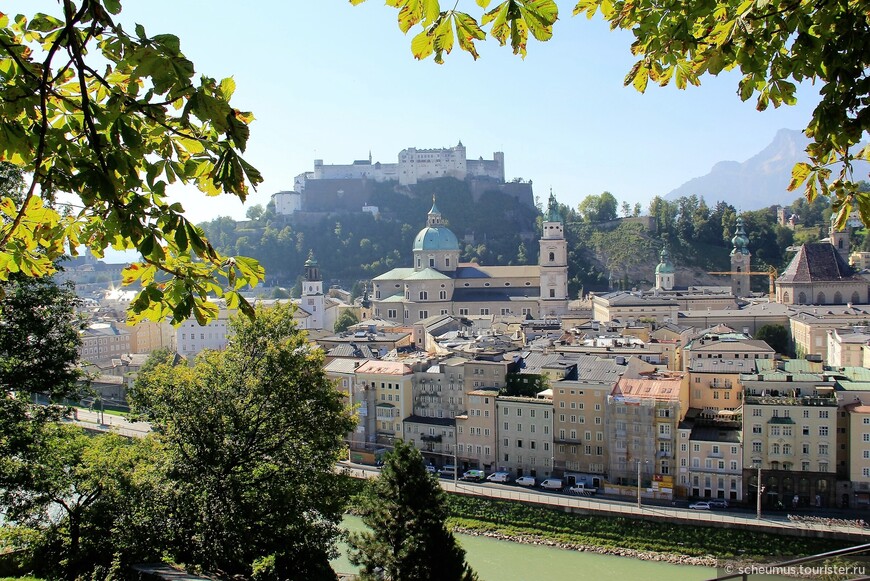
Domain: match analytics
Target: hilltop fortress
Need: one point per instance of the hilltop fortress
(348, 187)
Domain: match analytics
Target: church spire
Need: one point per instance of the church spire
(553, 214)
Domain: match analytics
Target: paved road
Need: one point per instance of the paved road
(90, 420)
(736, 518)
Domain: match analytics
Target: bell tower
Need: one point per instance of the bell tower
(740, 256)
(553, 261)
(312, 293)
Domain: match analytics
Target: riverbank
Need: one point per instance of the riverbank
(641, 539)
(530, 539)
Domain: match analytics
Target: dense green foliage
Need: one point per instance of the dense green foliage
(356, 246)
(405, 510)
(513, 518)
(88, 108)
(777, 336)
(345, 320)
(252, 434)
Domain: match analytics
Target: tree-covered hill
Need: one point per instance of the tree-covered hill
(492, 229)
(604, 250)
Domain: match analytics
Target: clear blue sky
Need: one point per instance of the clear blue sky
(332, 81)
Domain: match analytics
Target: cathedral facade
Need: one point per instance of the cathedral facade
(438, 284)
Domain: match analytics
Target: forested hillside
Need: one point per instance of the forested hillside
(494, 229)
(604, 249)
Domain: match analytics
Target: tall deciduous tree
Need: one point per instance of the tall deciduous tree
(773, 43)
(253, 433)
(114, 117)
(406, 512)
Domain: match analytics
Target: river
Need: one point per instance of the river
(493, 559)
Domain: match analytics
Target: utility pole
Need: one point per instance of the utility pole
(760, 490)
(638, 483)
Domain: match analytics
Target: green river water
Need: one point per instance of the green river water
(496, 560)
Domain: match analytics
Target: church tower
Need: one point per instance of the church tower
(740, 256)
(665, 271)
(839, 238)
(553, 260)
(312, 293)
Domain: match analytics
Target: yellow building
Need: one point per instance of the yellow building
(392, 382)
(714, 385)
(476, 431)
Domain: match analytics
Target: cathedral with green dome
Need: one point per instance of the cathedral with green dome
(438, 284)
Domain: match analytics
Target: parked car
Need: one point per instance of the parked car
(475, 475)
(701, 505)
(718, 503)
(553, 484)
(499, 477)
(526, 481)
(431, 469)
(448, 471)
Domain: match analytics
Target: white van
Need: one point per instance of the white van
(474, 475)
(526, 481)
(499, 477)
(552, 484)
(449, 471)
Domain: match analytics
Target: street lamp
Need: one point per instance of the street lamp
(638, 480)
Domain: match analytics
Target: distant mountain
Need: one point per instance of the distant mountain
(758, 182)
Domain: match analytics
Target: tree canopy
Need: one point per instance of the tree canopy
(116, 117)
(774, 44)
(252, 435)
(405, 510)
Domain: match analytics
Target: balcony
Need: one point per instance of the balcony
(825, 401)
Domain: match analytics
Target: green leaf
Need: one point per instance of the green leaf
(799, 174)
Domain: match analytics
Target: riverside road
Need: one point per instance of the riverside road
(774, 522)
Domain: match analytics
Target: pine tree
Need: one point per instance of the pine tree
(406, 510)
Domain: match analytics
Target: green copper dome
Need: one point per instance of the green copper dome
(740, 240)
(435, 236)
(430, 238)
(665, 266)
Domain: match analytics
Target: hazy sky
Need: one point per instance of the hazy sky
(332, 81)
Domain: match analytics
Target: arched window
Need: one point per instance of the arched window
(838, 298)
(820, 299)
(802, 298)
(785, 297)
(774, 449)
(552, 257)
(855, 297)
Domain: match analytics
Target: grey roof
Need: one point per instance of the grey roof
(492, 294)
(343, 365)
(726, 435)
(352, 351)
(430, 421)
(598, 369)
(534, 361)
(819, 262)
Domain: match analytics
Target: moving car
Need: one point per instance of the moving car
(718, 503)
(701, 505)
(526, 481)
